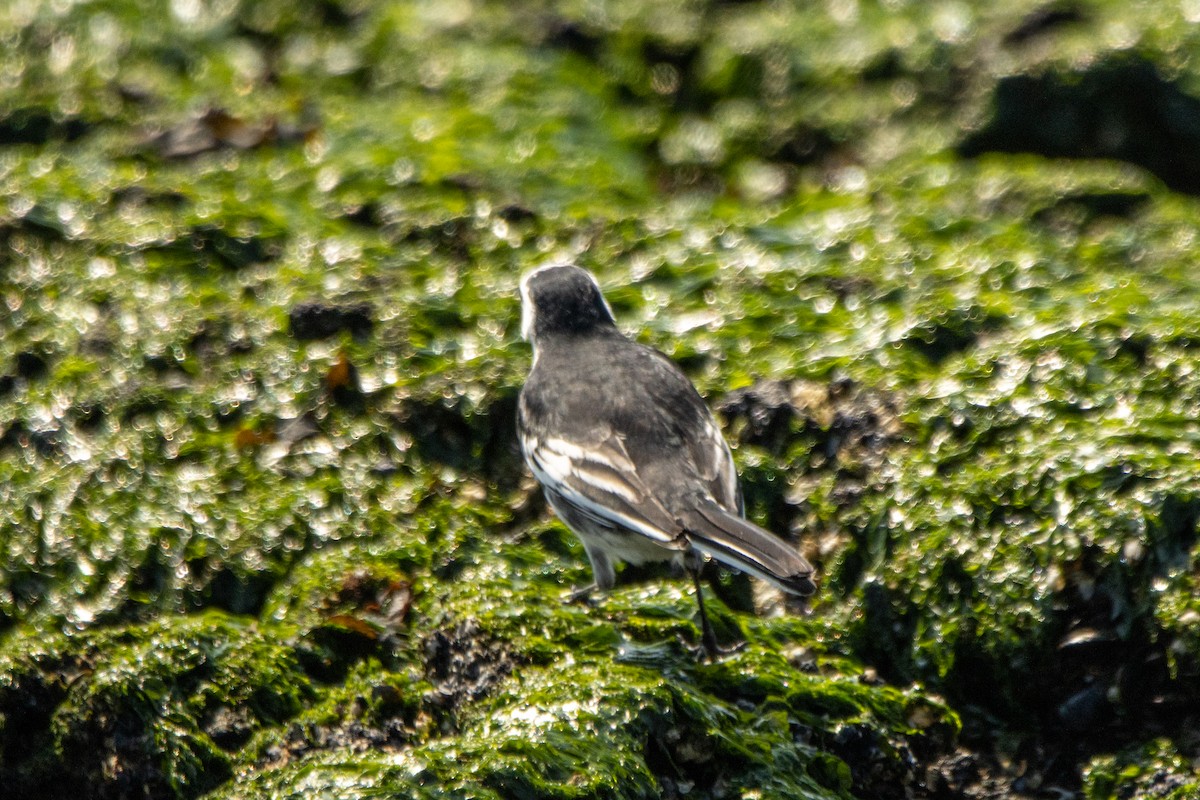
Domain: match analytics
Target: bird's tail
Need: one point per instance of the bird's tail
(744, 546)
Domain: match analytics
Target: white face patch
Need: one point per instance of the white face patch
(527, 310)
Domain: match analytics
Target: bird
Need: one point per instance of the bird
(627, 453)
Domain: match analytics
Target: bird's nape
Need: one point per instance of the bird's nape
(562, 299)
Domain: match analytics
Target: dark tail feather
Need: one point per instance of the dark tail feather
(743, 545)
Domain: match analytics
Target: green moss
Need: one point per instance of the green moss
(136, 706)
(1156, 769)
(257, 577)
(1177, 612)
(584, 731)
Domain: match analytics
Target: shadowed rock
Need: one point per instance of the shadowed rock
(1121, 109)
(309, 321)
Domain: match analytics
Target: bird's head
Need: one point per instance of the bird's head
(562, 299)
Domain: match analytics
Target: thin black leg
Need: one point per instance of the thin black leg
(581, 595)
(707, 637)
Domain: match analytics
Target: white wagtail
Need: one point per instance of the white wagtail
(627, 453)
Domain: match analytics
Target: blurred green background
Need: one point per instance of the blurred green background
(264, 530)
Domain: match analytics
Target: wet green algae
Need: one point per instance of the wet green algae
(206, 545)
(568, 706)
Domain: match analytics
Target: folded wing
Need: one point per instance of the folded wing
(600, 480)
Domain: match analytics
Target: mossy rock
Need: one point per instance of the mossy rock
(263, 524)
(150, 708)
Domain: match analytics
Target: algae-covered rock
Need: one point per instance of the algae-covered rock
(140, 710)
(1155, 769)
(264, 527)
